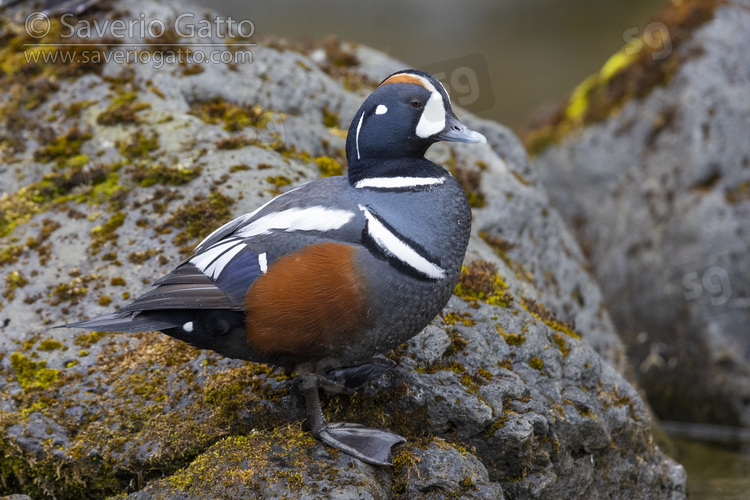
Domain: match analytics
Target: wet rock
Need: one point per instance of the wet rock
(658, 195)
(114, 176)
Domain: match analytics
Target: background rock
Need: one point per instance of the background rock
(112, 173)
(658, 194)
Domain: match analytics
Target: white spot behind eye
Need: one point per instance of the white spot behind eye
(188, 327)
(381, 109)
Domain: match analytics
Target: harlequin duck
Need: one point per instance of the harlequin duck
(327, 276)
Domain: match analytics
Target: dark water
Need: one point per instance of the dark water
(716, 471)
(523, 55)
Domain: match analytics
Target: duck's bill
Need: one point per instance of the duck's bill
(456, 131)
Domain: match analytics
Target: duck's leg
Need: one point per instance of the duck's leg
(372, 446)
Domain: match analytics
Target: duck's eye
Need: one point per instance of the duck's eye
(416, 103)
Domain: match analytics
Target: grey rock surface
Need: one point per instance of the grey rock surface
(659, 196)
(111, 173)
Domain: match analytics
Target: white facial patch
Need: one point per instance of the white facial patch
(432, 120)
(398, 182)
(381, 109)
(188, 327)
(393, 246)
(298, 219)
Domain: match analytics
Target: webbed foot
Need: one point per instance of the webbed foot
(372, 446)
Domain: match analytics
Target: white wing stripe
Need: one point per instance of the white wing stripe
(398, 182)
(219, 264)
(298, 219)
(390, 243)
(203, 260)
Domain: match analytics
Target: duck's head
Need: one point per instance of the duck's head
(407, 113)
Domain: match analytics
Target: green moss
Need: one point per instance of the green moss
(512, 339)
(199, 217)
(471, 180)
(13, 281)
(110, 191)
(32, 374)
(74, 109)
(497, 424)
(141, 257)
(64, 148)
(453, 318)
(86, 340)
(72, 291)
(238, 168)
(240, 142)
(147, 174)
(234, 117)
(278, 182)
(536, 363)
(10, 254)
(480, 281)
(559, 340)
(94, 184)
(117, 281)
(50, 345)
(105, 300)
(541, 313)
(105, 233)
(328, 166)
(738, 193)
(458, 344)
(501, 248)
(138, 145)
(123, 109)
(330, 119)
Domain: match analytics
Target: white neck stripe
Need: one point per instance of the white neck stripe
(392, 245)
(398, 182)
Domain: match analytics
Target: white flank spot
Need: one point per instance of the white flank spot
(203, 260)
(381, 109)
(356, 138)
(398, 182)
(432, 120)
(400, 250)
(188, 327)
(298, 219)
(219, 264)
(263, 262)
